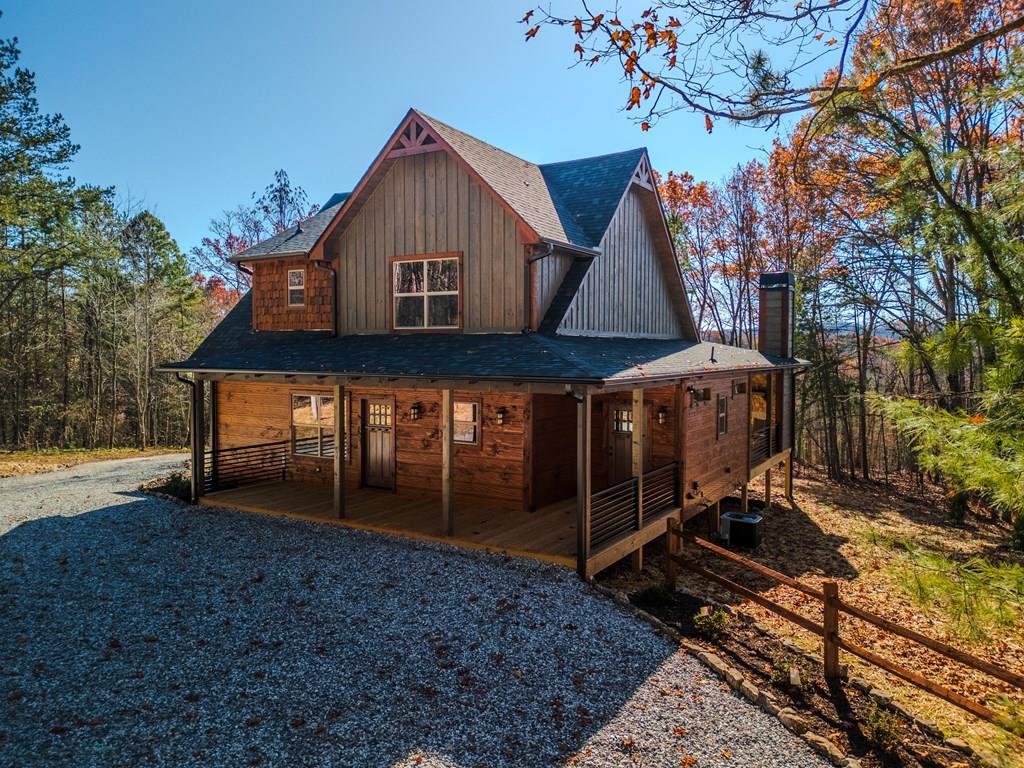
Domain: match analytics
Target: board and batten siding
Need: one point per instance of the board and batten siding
(426, 204)
(625, 292)
(548, 274)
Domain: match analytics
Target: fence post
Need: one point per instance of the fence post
(830, 623)
(672, 549)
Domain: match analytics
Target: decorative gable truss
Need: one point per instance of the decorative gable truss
(643, 176)
(414, 139)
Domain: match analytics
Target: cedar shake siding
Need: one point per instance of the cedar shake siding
(270, 308)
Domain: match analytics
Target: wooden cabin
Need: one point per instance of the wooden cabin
(474, 348)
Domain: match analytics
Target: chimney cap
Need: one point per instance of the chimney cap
(778, 280)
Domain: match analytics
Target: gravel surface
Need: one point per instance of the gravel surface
(136, 631)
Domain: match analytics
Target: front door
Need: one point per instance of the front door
(378, 444)
(620, 443)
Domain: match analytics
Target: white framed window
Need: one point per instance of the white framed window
(466, 422)
(426, 292)
(723, 415)
(296, 287)
(313, 425)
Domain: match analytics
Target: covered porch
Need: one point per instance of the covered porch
(547, 534)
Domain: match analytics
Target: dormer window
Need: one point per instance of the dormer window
(426, 292)
(296, 287)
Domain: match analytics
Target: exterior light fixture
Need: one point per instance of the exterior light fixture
(662, 414)
(501, 416)
(414, 411)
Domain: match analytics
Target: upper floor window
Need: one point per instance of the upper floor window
(426, 292)
(296, 287)
(723, 414)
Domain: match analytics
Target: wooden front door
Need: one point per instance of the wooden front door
(378, 444)
(620, 443)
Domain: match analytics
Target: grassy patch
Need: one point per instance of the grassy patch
(13, 463)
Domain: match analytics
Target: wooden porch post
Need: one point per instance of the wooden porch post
(339, 452)
(637, 448)
(745, 498)
(767, 490)
(447, 462)
(198, 430)
(583, 415)
(787, 478)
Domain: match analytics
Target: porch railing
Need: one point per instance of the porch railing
(765, 443)
(231, 467)
(661, 490)
(613, 510)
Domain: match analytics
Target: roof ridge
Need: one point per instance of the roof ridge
(593, 157)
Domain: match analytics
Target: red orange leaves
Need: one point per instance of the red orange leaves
(709, 125)
(532, 32)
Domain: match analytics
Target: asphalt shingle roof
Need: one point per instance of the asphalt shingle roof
(233, 346)
(588, 191)
(298, 239)
(571, 201)
(519, 182)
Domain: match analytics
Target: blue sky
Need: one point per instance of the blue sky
(191, 106)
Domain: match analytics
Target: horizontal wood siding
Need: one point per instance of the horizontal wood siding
(625, 293)
(426, 204)
(270, 310)
(718, 464)
(249, 414)
(554, 450)
(493, 472)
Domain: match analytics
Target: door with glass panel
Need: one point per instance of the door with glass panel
(378, 443)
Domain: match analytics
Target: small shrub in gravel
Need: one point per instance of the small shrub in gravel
(881, 728)
(177, 484)
(711, 622)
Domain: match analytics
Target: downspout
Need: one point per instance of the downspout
(194, 485)
(325, 266)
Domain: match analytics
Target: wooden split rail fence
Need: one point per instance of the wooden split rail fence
(833, 606)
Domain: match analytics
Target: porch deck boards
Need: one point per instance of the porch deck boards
(548, 533)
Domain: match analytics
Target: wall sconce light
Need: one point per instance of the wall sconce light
(501, 416)
(662, 414)
(414, 411)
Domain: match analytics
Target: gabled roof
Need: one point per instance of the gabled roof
(588, 191)
(518, 182)
(569, 202)
(294, 241)
(535, 357)
(337, 197)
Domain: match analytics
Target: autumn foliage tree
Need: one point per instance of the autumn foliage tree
(895, 196)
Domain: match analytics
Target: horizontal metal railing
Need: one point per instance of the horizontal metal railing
(246, 464)
(661, 490)
(613, 512)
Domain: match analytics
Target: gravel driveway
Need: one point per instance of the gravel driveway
(139, 632)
